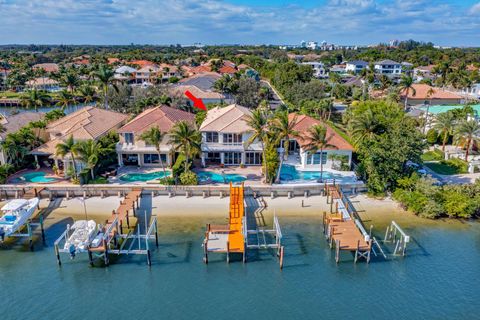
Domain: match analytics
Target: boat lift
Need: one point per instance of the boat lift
(394, 234)
(26, 230)
(113, 242)
(263, 236)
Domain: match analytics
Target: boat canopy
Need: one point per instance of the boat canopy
(15, 204)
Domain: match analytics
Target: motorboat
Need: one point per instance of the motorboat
(80, 234)
(15, 214)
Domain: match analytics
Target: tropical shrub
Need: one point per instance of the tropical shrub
(188, 178)
(5, 170)
(432, 136)
(421, 196)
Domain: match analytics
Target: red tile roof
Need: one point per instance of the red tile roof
(421, 93)
(141, 63)
(303, 123)
(227, 69)
(163, 117)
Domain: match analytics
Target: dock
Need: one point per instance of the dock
(343, 228)
(130, 203)
(111, 238)
(236, 237)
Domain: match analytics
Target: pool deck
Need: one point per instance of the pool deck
(48, 174)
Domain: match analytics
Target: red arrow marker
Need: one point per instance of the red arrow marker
(196, 101)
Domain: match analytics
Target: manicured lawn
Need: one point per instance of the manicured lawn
(447, 167)
(9, 95)
(436, 155)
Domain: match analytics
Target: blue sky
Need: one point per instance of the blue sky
(444, 22)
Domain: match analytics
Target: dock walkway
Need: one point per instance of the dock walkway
(343, 228)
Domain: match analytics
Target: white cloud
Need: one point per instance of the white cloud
(475, 9)
(216, 21)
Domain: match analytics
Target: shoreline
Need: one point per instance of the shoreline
(199, 211)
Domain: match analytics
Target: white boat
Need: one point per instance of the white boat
(80, 234)
(15, 214)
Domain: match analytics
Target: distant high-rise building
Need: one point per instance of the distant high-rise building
(303, 44)
(312, 45)
(393, 43)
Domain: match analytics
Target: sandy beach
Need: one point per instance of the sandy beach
(195, 212)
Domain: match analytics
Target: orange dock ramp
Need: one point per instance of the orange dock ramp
(236, 241)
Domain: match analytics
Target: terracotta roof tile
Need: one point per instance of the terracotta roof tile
(162, 116)
(303, 123)
(421, 93)
(230, 119)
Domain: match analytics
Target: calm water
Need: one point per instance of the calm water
(438, 280)
(9, 110)
(209, 176)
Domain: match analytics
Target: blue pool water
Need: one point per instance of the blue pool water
(208, 176)
(289, 174)
(35, 177)
(143, 177)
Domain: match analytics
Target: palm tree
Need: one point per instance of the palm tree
(70, 80)
(466, 133)
(67, 147)
(89, 151)
(406, 86)
(106, 76)
(87, 93)
(258, 121)
(318, 140)
(430, 93)
(185, 138)
(385, 82)
(155, 137)
(284, 129)
(363, 127)
(34, 99)
(65, 98)
(445, 123)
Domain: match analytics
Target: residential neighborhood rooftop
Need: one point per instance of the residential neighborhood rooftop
(230, 119)
(15, 122)
(304, 123)
(163, 117)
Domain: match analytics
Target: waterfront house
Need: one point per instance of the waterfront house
(147, 74)
(298, 154)
(47, 67)
(207, 96)
(124, 73)
(168, 71)
(338, 69)
(319, 70)
(43, 83)
(437, 96)
(356, 66)
(224, 135)
(423, 72)
(472, 92)
(132, 150)
(12, 124)
(388, 67)
(89, 123)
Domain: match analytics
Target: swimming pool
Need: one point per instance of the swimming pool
(436, 109)
(209, 176)
(143, 177)
(289, 174)
(35, 177)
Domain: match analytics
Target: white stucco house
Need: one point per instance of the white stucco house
(312, 160)
(388, 67)
(356, 66)
(224, 135)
